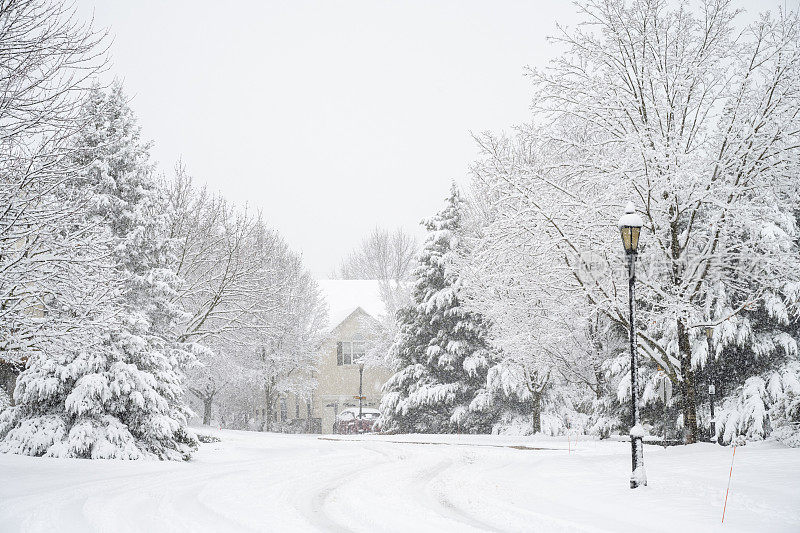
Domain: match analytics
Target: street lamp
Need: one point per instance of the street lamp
(711, 387)
(360, 391)
(630, 224)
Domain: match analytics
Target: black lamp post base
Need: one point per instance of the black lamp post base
(638, 476)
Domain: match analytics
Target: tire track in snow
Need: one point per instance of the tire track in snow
(519, 516)
(446, 508)
(411, 502)
(318, 516)
(116, 502)
(161, 500)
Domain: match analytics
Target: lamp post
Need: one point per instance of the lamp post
(711, 388)
(665, 383)
(360, 390)
(630, 225)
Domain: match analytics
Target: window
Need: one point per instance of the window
(284, 410)
(296, 408)
(348, 353)
(344, 353)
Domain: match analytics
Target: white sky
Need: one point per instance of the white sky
(332, 116)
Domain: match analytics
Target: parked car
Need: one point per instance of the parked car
(348, 422)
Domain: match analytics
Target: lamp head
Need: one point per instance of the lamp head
(630, 225)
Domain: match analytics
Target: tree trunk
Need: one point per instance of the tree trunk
(536, 412)
(267, 423)
(599, 384)
(687, 385)
(207, 401)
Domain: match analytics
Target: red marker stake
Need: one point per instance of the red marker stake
(729, 485)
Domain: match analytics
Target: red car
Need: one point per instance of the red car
(348, 421)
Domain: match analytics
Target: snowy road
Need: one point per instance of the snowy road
(264, 482)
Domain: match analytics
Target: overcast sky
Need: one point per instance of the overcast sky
(330, 116)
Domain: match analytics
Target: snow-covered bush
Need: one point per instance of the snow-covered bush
(764, 406)
(565, 409)
(5, 401)
(552, 424)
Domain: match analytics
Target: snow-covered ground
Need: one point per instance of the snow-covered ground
(268, 482)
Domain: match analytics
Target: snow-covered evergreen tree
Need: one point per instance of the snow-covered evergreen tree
(118, 393)
(442, 350)
(755, 366)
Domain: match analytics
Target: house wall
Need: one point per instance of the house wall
(337, 385)
(296, 414)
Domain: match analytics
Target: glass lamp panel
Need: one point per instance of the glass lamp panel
(635, 238)
(626, 237)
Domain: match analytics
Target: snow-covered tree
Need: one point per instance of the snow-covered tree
(390, 258)
(382, 255)
(549, 335)
(223, 286)
(45, 60)
(246, 298)
(286, 354)
(119, 394)
(695, 121)
(442, 351)
(58, 282)
(276, 362)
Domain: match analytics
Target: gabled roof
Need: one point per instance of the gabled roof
(345, 296)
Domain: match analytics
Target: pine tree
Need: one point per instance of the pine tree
(442, 350)
(755, 366)
(116, 392)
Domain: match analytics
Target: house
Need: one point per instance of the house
(355, 307)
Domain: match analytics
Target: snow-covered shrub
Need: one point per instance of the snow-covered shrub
(566, 409)
(785, 410)
(97, 406)
(30, 436)
(207, 439)
(745, 412)
(604, 425)
(5, 401)
(767, 405)
(552, 424)
(513, 423)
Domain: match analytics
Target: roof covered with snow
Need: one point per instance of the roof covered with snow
(346, 295)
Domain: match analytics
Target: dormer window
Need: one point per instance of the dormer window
(350, 352)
